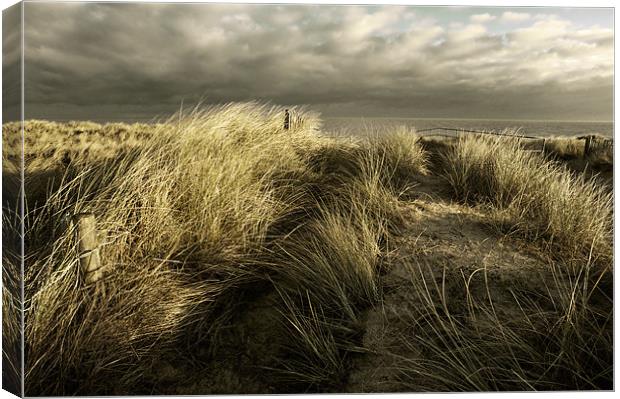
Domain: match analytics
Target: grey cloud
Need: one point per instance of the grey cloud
(11, 66)
(119, 59)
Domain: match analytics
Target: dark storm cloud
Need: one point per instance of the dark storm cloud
(147, 58)
(11, 67)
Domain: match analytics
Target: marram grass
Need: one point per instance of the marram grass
(205, 213)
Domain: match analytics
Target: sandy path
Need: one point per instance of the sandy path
(444, 239)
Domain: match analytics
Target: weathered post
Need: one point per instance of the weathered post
(287, 119)
(544, 145)
(88, 247)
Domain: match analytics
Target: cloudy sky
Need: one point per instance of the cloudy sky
(123, 61)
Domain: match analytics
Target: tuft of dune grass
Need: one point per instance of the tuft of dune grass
(191, 203)
(328, 275)
(11, 321)
(189, 213)
(401, 156)
(485, 338)
(565, 147)
(328, 267)
(78, 339)
(394, 157)
(572, 148)
(570, 152)
(12, 299)
(316, 358)
(463, 331)
(334, 259)
(535, 198)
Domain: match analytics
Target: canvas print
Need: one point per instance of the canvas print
(206, 198)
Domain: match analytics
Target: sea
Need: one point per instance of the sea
(356, 126)
(365, 126)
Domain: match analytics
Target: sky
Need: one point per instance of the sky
(111, 61)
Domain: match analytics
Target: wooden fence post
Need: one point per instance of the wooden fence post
(287, 119)
(88, 247)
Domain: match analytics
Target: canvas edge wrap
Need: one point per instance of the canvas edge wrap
(12, 201)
